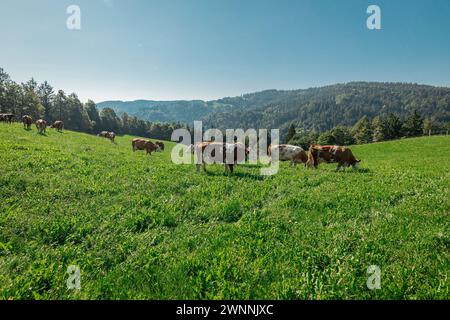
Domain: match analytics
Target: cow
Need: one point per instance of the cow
(142, 144)
(27, 122)
(229, 154)
(58, 125)
(6, 117)
(111, 136)
(161, 145)
(41, 126)
(287, 152)
(108, 135)
(343, 156)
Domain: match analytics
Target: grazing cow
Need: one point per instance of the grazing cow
(229, 154)
(142, 144)
(41, 126)
(161, 145)
(6, 117)
(108, 135)
(343, 156)
(111, 136)
(27, 122)
(58, 125)
(288, 152)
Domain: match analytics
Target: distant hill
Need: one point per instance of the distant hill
(314, 108)
(162, 111)
(188, 111)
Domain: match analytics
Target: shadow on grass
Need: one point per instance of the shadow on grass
(236, 174)
(359, 170)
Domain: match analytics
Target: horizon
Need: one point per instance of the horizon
(298, 89)
(177, 50)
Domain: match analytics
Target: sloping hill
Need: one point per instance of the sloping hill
(142, 227)
(314, 108)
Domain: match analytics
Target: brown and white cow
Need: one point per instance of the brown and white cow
(58, 125)
(288, 152)
(343, 156)
(41, 126)
(142, 144)
(108, 135)
(27, 122)
(229, 154)
(6, 117)
(161, 145)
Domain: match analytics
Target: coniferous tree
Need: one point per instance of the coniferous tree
(92, 112)
(291, 133)
(4, 81)
(393, 126)
(46, 94)
(378, 129)
(413, 125)
(428, 126)
(30, 104)
(362, 132)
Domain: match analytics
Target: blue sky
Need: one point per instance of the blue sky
(207, 49)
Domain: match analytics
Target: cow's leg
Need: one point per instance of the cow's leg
(339, 167)
(204, 166)
(231, 168)
(198, 168)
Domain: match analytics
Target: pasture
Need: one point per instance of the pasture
(140, 227)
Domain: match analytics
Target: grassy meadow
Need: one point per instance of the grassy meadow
(141, 227)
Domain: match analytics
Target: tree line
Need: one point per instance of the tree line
(321, 109)
(380, 128)
(41, 101)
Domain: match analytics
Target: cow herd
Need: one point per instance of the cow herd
(6, 117)
(229, 154)
(233, 154)
(41, 126)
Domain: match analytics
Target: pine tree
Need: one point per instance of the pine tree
(291, 133)
(393, 126)
(362, 132)
(378, 128)
(428, 126)
(413, 126)
(46, 95)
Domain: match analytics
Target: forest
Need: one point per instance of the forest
(345, 114)
(42, 101)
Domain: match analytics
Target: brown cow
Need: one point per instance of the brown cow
(41, 126)
(343, 156)
(58, 125)
(142, 144)
(27, 122)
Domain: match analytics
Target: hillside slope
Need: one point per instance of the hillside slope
(314, 108)
(142, 227)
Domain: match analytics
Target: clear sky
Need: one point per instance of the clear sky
(207, 49)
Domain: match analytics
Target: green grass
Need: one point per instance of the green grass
(143, 228)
